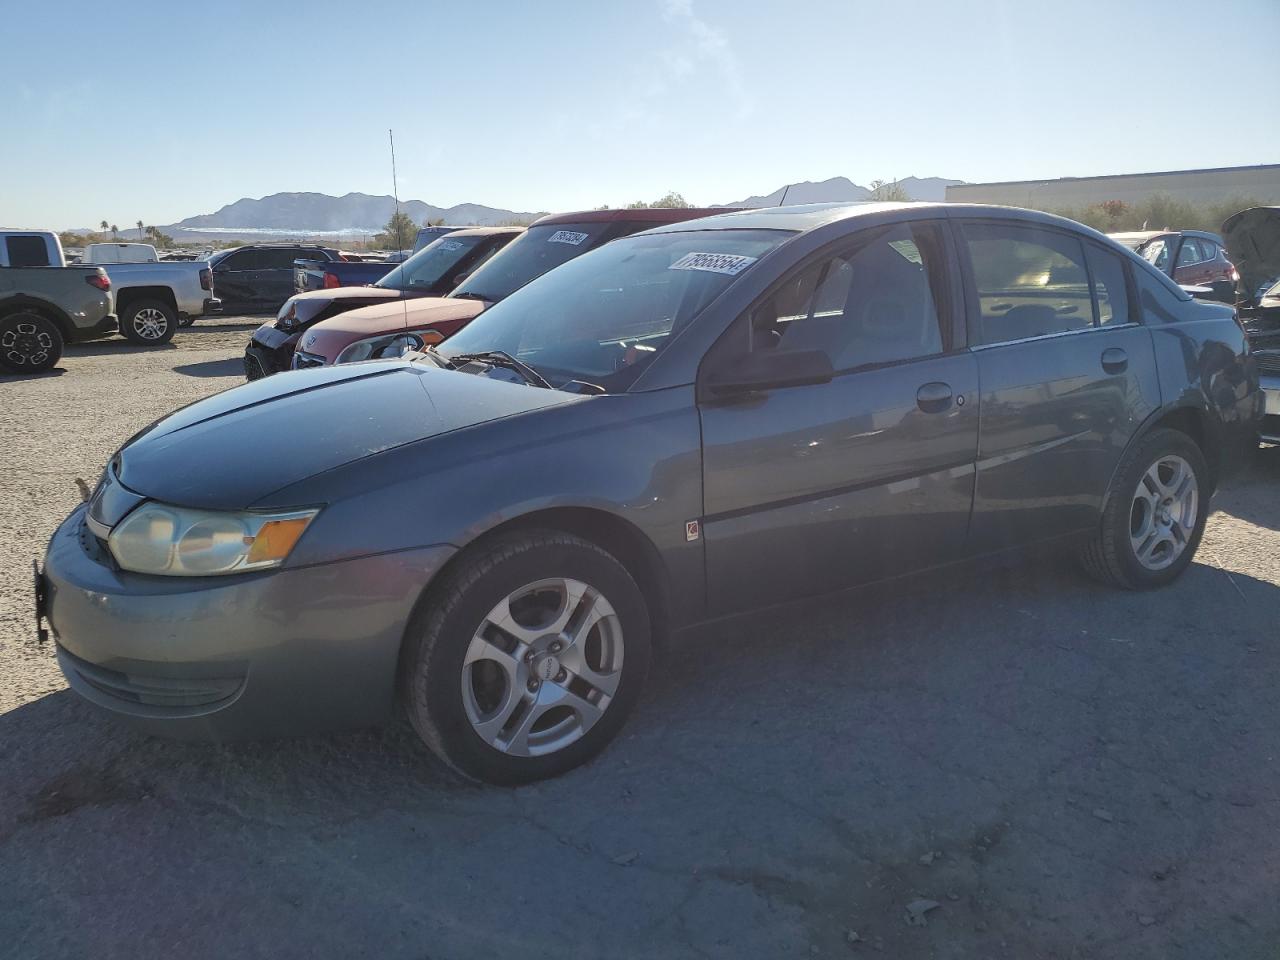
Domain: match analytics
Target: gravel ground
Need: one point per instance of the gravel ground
(1066, 771)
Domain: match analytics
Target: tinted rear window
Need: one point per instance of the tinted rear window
(27, 251)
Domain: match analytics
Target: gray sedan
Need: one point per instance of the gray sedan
(679, 426)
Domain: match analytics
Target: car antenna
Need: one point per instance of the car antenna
(395, 190)
(784, 194)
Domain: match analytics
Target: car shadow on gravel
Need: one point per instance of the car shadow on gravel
(1046, 762)
(231, 367)
(1254, 495)
(20, 377)
(108, 348)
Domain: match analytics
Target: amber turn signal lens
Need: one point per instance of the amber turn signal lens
(276, 539)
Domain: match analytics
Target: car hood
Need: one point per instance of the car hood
(1253, 240)
(307, 306)
(231, 450)
(329, 337)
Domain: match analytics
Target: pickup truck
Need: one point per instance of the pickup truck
(311, 275)
(45, 304)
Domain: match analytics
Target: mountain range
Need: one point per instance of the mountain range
(843, 189)
(295, 214)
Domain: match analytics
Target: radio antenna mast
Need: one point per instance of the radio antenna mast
(395, 190)
(784, 194)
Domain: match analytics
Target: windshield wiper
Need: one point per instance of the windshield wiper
(468, 295)
(500, 358)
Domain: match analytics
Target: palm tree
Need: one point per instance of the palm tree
(139, 229)
(115, 232)
(104, 226)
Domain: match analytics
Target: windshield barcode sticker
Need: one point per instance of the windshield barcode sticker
(449, 244)
(729, 263)
(566, 236)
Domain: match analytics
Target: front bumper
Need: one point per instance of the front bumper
(270, 351)
(289, 652)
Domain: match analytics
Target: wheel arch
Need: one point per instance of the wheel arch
(45, 308)
(619, 537)
(1187, 418)
(129, 295)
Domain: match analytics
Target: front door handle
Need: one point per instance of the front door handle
(934, 397)
(1114, 360)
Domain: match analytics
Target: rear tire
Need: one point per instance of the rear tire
(148, 323)
(1155, 514)
(513, 668)
(29, 342)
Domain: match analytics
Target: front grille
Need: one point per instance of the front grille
(1268, 361)
(176, 693)
(253, 368)
(302, 361)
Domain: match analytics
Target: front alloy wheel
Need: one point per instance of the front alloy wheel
(543, 667)
(149, 323)
(524, 660)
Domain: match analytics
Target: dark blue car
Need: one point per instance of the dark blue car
(701, 419)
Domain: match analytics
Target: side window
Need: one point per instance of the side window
(244, 260)
(281, 258)
(1109, 288)
(875, 301)
(27, 251)
(1030, 282)
(1190, 252)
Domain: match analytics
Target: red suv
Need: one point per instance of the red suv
(392, 329)
(1193, 257)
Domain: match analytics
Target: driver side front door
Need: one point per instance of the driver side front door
(812, 488)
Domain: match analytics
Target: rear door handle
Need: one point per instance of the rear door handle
(1114, 360)
(934, 397)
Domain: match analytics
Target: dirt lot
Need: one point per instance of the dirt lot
(1065, 770)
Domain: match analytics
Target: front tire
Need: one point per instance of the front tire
(149, 323)
(1155, 515)
(29, 342)
(525, 661)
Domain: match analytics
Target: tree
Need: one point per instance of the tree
(399, 232)
(104, 226)
(139, 229)
(670, 201)
(883, 190)
(115, 232)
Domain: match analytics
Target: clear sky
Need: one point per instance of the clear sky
(162, 110)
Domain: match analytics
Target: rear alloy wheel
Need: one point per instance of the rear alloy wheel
(149, 322)
(1155, 516)
(525, 662)
(29, 342)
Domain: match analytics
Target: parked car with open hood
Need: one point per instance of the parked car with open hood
(390, 330)
(687, 423)
(431, 272)
(1253, 239)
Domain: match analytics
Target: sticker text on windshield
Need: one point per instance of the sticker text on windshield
(729, 263)
(449, 245)
(566, 236)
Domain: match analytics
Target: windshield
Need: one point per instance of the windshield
(530, 256)
(604, 317)
(431, 264)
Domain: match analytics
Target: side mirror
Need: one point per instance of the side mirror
(769, 369)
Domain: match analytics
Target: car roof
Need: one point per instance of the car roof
(654, 215)
(482, 231)
(800, 217)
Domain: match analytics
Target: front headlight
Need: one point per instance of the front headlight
(178, 542)
(381, 348)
